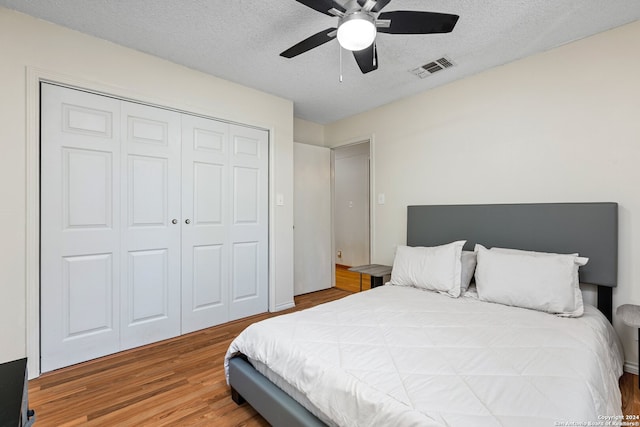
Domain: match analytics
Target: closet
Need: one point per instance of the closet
(154, 223)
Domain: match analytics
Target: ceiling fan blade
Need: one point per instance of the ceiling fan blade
(378, 5)
(323, 6)
(367, 59)
(414, 22)
(309, 43)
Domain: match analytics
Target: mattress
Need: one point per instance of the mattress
(407, 357)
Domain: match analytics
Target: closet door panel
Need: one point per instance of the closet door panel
(246, 189)
(80, 204)
(207, 277)
(150, 277)
(205, 240)
(148, 284)
(148, 181)
(87, 283)
(208, 191)
(87, 192)
(246, 267)
(248, 230)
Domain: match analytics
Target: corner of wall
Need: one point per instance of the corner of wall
(307, 132)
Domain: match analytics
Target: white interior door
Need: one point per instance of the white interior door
(312, 218)
(80, 226)
(248, 188)
(205, 240)
(150, 183)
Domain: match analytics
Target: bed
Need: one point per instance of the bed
(405, 356)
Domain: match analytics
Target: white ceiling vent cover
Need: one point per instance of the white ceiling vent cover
(432, 67)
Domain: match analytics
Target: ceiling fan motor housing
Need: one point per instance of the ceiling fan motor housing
(356, 30)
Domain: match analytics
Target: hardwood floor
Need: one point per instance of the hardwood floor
(178, 382)
(175, 382)
(630, 394)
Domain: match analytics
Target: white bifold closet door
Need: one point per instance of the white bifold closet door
(150, 184)
(80, 255)
(225, 244)
(153, 224)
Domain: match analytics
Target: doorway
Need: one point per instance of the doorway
(351, 213)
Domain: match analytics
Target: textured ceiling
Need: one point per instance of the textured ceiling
(240, 40)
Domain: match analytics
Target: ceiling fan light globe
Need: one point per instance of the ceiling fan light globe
(356, 31)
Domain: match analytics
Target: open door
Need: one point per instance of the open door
(312, 218)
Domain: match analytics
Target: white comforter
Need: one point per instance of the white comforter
(399, 356)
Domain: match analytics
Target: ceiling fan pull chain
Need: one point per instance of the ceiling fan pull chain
(375, 53)
(340, 53)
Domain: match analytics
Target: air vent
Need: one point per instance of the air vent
(432, 67)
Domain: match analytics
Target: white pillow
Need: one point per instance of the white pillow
(437, 268)
(468, 267)
(535, 280)
(580, 260)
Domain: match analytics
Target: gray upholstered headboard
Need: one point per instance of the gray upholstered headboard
(591, 229)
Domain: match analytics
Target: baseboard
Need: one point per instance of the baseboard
(345, 267)
(631, 367)
(284, 306)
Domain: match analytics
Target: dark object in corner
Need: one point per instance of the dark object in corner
(14, 403)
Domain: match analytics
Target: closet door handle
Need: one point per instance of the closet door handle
(187, 221)
(174, 221)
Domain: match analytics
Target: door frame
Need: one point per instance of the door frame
(372, 211)
(34, 76)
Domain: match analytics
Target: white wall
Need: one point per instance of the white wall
(307, 132)
(560, 126)
(351, 204)
(25, 43)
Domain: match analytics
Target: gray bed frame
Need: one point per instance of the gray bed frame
(590, 229)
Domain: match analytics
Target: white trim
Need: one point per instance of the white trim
(284, 306)
(631, 367)
(272, 222)
(332, 165)
(33, 78)
(32, 231)
(372, 199)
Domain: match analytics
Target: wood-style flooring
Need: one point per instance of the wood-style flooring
(179, 382)
(630, 394)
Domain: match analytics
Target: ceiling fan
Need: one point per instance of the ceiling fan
(360, 20)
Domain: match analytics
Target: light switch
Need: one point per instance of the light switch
(381, 198)
(280, 199)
